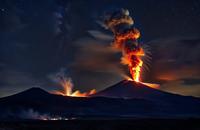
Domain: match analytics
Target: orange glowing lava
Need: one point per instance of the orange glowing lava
(126, 40)
(67, 90)
(135, 68)
(151, 85)
(131, 51)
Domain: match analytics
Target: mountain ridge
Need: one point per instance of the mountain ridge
(144, 102)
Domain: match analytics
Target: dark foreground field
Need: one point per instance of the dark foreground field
(140, 124)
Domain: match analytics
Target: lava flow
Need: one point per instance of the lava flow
(68, 86)
(125, 40)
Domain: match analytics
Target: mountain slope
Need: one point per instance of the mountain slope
(130, 89)
(125, 99)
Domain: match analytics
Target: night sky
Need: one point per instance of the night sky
(39, 38)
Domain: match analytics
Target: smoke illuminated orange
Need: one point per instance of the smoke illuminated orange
(68, 89)
(131, 57)
(125, 40)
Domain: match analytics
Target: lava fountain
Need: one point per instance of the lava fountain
(125, 40)
(67, 88)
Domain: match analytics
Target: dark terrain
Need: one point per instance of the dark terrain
(126, 99)
(124, 106)
(140, 124)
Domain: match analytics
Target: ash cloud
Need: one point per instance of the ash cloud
(98, 57)
(95, 63)
(176, 65)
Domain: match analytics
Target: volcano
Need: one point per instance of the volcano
(126, 99)
(127, 89)
(131, 89)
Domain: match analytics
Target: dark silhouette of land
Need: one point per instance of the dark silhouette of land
(140, 124)
(124, 100)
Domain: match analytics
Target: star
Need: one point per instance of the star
(2, 9)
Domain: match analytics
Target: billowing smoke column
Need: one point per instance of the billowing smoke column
(125, 39)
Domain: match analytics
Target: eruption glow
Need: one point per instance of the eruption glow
(67, 86)
(125, 40)
(68, 89)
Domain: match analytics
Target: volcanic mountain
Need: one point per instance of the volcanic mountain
(126, 99)
(135, 90)
(130, 89)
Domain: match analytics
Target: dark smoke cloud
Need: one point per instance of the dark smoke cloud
(100, 35)
(95, 63)
(176, 65)
(172, 53)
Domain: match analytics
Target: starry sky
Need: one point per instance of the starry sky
(40, 38)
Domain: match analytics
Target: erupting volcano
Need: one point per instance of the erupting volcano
(126, 42)
(125, 39)
(129, 98)
(67, 88)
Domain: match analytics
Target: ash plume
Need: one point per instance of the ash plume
(96, 58)
(125, 40)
